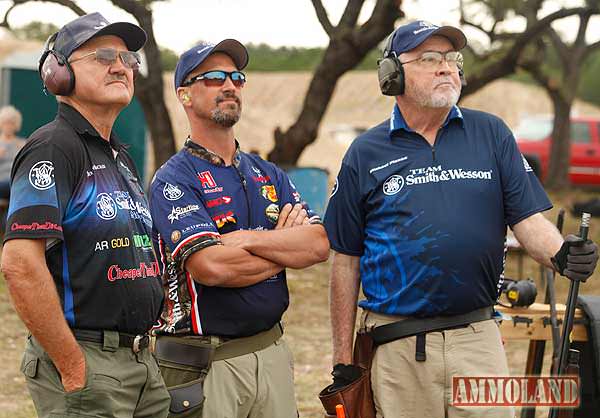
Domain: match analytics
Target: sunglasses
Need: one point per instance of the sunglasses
(217, 78)
(108, 56)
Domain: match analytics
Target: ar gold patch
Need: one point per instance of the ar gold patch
(272, 212)
(175, 236)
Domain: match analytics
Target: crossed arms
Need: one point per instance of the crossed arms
(249, 257)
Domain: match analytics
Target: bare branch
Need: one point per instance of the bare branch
(323, 17)
(584, 19)
(551, 86)
(5, 23)
(351, 13)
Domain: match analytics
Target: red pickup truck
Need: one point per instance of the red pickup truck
(533, 137)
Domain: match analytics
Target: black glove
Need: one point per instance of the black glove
(343, 375)
(576, 259)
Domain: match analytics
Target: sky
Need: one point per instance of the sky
(179, 24)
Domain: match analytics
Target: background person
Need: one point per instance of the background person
(10, 144)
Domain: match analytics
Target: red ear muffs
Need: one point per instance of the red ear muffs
(55, 71)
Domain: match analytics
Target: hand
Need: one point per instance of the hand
(343, 375)
(576, 258)
(237, 239)
(292, 216)
(74, 378)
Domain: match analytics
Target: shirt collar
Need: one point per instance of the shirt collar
(397, 121)
(205, 154)
(83, 127)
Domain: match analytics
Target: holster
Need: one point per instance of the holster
(357, 397)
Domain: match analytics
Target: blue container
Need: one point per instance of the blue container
(312, 184)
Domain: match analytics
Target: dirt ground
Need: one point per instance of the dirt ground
(307, 330)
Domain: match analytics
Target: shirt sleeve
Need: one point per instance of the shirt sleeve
(344, 217)
(181, 219)
(42, 182)
(523, 193)
(289, 194)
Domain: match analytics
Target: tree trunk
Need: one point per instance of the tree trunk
(338, 58)
(560, 154)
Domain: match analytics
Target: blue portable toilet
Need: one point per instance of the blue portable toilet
(312, 184)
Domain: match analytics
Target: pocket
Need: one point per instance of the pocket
(29, 365)
(187, 397)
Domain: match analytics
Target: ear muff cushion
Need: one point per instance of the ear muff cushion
(57, 75)
(391, 77)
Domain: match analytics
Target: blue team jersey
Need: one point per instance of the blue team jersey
(194, 198)
(429, 222)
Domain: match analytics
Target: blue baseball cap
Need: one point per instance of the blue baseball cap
(410, 36)
(195, 56)
(77, 32)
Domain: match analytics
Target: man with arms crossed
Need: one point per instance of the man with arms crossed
(227, 224)
(87, 293)
(418, 215)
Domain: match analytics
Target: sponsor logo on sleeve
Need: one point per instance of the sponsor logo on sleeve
(41, 175)
(175, 236)
(35, 226)
(171, 192)
(526, 164)
(272, 212)
(178, 212)
(269, 193)
(335, 188)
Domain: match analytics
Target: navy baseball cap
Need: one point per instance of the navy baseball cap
(76, 33)
(192, 58)
(410, 36)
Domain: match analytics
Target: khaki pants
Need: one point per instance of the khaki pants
(405, 388)
(255, 385)
(119, 384)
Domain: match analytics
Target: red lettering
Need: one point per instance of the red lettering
(115, 272)
(207, 179)
(35, 226)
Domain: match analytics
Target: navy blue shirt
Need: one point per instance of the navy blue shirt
(83, 196)
(429, 222)
(194, 198)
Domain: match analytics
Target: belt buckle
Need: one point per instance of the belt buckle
(138, 343)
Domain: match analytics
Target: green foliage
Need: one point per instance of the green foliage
(589, 86)
(35, 30)
(266, 58)
(169, 58)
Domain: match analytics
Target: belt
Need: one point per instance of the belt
(136, 342)
(197, 353)
(413, 326)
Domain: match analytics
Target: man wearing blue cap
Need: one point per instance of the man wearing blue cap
(418, 215)
(77, 255)
(226, 225)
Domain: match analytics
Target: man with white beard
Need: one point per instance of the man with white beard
(418, 216)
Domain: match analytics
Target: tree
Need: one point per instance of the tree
(148, 88)
(39, 31)
(349, 43)
(528, 50)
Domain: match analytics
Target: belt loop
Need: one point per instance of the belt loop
(420, 348)
(110, 341)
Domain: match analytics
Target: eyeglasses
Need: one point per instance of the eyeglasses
(432, 59)
(108, 56)
(217, 78)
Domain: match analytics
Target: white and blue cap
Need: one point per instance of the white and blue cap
(410, 36)
(77, 32)
(192, 58)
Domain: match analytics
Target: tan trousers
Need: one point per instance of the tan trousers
(255, 385)
(405, 388)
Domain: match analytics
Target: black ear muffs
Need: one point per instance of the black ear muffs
(461, 75)
(55, 71)
(390, 71)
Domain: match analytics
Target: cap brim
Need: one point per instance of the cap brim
(454, 35)
(235, 49)
(133, 36)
